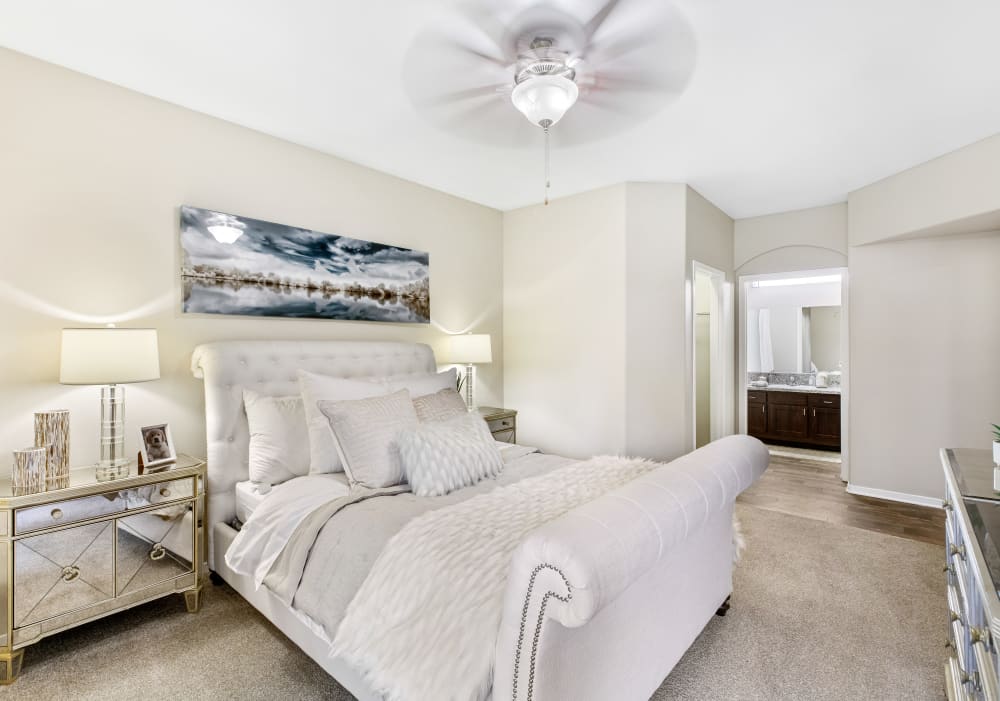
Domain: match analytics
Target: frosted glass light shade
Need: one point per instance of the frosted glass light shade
(109, 356)
(544, 98)
(471, 348)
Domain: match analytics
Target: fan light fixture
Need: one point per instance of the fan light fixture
(544, 99)
(544, 90)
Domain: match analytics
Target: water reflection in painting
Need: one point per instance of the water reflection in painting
(276, 270)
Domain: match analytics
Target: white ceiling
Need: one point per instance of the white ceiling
(792, 104)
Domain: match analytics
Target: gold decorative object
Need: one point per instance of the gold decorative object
(29, 471)
(52, 433)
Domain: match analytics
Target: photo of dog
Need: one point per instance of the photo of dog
(157, 445)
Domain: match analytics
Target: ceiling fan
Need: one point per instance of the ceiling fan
(595, 67)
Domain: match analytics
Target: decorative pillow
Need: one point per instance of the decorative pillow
(365, 432)
(423, 384)
(442, 405)
(315, 388)
(443, 456)
(279, 437)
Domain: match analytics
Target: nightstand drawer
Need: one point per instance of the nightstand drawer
(162, 492)
(55, 573)
(59, 513)
(506, 424)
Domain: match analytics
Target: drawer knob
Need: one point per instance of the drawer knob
(70, 573)
(164, 492)
(957, 550)
(158, 552)
(56, 514)
(946, 504)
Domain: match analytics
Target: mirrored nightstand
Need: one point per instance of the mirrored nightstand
(72, 555)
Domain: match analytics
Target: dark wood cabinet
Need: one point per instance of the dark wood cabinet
(802, 418)
(788, 422)
(756, 418)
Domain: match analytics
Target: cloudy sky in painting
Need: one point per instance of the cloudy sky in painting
(299, 254)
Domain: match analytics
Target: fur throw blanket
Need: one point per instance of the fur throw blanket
(425, 621)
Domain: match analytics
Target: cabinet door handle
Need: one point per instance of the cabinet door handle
(825, 401)
(814, 413)
(803, 411)
(763, 409)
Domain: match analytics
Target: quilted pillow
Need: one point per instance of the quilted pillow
(442, 405)
(443, 456)
(365, 432)
(279, 437)
(315, 388)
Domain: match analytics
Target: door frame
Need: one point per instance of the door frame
(721, 350)
(745, 282)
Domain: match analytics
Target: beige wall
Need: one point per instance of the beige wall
(656, 415)
(91, 177)
(594, 318)
(564, 330)
(824, 337)
(956, 193)
(925, 339)
(806, 239)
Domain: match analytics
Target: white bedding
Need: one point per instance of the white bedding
(262, 538)
(249, 494)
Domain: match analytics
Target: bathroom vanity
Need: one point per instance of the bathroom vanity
(803, 415)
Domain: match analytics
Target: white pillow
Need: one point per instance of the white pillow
(424, 383)
(442, 456)
(316, 388)
(442, 405)
(365, 432)
(279, 437)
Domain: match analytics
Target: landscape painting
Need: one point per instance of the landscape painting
(243, 266)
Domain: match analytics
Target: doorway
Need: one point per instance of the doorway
(793, 363)
(711, 354)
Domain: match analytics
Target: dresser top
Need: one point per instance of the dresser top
(83, 481)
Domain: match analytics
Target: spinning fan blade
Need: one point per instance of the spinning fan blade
(594, 25)
(631, 58)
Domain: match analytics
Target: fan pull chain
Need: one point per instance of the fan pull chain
(548, 184)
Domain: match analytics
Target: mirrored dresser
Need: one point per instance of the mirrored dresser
(96, 547)
(972, 567)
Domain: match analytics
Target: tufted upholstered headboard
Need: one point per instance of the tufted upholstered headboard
(269, 367)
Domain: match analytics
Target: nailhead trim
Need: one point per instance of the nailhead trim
(538, 626)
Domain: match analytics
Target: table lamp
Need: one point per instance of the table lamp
(110, 357)
(469, 349)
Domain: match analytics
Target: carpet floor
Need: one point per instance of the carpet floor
(820, 611)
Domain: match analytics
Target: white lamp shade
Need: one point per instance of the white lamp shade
(471, 348)
(544, 98)
(109, 356)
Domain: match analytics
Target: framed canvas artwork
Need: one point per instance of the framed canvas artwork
(243, 266)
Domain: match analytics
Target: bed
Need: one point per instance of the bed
(600, 602)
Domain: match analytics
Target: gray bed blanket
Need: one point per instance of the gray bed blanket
(331, 553)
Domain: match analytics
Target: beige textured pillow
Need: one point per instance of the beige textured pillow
(442, 405)
(365, 432)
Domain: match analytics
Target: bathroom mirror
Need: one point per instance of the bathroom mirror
(790, 339)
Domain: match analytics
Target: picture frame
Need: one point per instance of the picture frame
(156, 446)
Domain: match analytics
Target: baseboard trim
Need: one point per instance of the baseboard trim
(894, 496)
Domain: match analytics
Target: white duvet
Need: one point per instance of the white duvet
(265, 534)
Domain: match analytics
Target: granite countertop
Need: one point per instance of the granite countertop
(809, 389)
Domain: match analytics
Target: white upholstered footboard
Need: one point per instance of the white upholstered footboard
(604, 601)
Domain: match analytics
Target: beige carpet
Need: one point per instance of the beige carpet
(820, 611)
